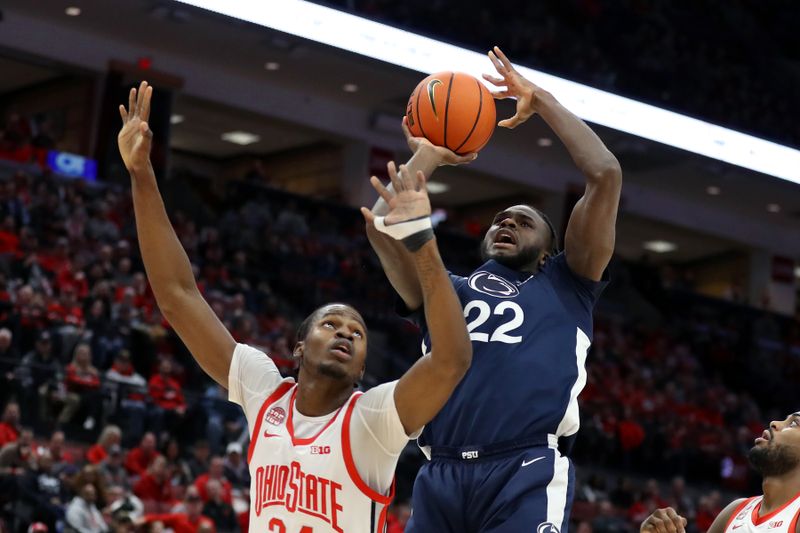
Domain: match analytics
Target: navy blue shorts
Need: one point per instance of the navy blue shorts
(527, 490)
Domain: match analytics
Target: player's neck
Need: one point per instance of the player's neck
(779, 490)
(319, 396)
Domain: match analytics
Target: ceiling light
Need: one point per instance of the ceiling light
(773, 208)
(242, 138)
(272, 65)
(660, 247)
(176, 119)
(713, 190)
(73, 11)
(797, 272)
(545, 142)
(350, 87)
(437, 187)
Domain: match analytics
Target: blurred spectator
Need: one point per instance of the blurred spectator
(109, 438)
(154, 486)
(83, 389)
(178, 469)
(42, 377)
(91, 474)
(608, 521)
(15, 457)
(83, 514)
(218, 510)
(216, 471)
(167, 396)
(198, 462)
(190, 520)
(9, 426)
(130, 393)
(121, 500)
(113, 470)
(236, 470)
(42, 494)
(141, 457)
(9, 360)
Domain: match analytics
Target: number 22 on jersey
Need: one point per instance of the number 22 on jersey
(512, 310)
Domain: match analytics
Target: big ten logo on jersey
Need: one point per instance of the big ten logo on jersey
(320, 450)
(297, 491)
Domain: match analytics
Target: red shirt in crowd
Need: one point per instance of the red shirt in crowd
(166, 392)
(149, 489)
(179, 522)
(96, 454)
(201, 483)
(79, 380)
(137, 461)
(8, 433)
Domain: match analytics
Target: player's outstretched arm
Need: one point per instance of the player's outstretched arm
(426, 387)
(165, 261)
(395, 259)
(589, 242)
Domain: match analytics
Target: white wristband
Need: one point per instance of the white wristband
(401, 230)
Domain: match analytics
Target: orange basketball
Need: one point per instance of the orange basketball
(454, 110)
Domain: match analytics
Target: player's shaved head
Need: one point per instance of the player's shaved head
(327, 309)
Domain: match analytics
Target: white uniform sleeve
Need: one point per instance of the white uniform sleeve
(378, 436)
(251, 379)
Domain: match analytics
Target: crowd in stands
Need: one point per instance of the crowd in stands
(727, 63)
(86, 356)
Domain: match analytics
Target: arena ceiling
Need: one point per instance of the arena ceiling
(303, 101)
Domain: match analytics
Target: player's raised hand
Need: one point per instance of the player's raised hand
(135, 137)
(408, 201)
(664, 521)
(513, 85)
(440, 154)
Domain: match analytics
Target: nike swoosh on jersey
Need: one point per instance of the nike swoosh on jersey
(268, 434)
(526, 463)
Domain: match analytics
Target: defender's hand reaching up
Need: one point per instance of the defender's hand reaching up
(408, 201)
(527, 93)
(135, 137)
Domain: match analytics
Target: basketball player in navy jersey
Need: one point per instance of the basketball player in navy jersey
(499, 448)
(776, 456)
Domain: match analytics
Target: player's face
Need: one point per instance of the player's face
(336, 344)
(777, 450)
(517, 238)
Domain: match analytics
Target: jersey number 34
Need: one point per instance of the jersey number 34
(503, 332)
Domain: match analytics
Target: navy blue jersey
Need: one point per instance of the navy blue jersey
(530, 335)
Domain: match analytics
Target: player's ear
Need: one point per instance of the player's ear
(543, 258)
(298, 350)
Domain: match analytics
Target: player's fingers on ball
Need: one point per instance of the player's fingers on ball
(501, 95)
(404, 126)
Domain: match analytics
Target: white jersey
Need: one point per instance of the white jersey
(308, 485)
(304, 478)
(746, 518)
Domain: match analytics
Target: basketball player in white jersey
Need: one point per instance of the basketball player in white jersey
(322, 457)
(776, 456)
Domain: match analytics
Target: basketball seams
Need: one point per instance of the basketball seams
(447, 107)
(419, 115)
(477, 117)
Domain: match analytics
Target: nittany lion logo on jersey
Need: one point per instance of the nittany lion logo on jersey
(547, 527)
(492, 284)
